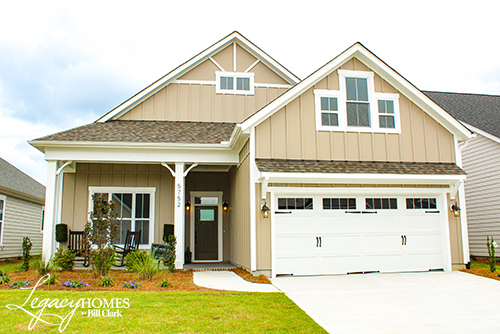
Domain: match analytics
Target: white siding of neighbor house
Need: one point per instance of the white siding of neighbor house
(21, 218)
(481, 161)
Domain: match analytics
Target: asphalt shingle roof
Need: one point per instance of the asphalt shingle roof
(13, 178)
(147, 132)
(315, 166)
(481, 111)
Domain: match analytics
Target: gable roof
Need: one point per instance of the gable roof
(234, 37)
(145, 132)
(479, 110)
(387, 73)
(11, 178)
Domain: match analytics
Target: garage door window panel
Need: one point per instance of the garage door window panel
(421, 203)
(381, 203)
(339, 203)
(295, 203)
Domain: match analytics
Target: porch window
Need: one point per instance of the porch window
(134, 210)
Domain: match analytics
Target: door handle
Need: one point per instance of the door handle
(317, 241)
(402, 241)
(320, 241)
(405, 240)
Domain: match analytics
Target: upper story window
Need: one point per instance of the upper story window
(234, 83)
(356, 106)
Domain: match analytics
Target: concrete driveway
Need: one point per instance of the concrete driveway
(432, 302)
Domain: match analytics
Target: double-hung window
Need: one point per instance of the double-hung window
(135, 208)
(234, 83)
(355, 106)
(2, 215)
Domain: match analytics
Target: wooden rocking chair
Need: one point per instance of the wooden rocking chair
(132, 241)
(78, 244)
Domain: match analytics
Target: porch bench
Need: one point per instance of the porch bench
(78, 245)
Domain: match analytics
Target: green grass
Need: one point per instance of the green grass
(484, 266)
(168, 312)
(10, 267)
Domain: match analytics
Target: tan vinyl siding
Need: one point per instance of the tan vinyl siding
(21, 219)
(456, 244)
(481, 161)
(197, 102)
(239, 211)
(291, 132)
(208, 181)
(76, 190)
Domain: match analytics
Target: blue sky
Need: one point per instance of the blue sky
(64, 64)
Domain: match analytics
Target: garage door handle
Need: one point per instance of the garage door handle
(283, 212)
(320, 241)
(402, 241)
(317, 241)
(405, 240)
(363, 212)
(353, 212)
(431, 211)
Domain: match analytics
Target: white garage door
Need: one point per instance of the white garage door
(337, 234)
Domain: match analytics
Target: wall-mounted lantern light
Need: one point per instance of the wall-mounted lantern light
(225, 206)
(265, 210)
(455, 209)
(188, 205)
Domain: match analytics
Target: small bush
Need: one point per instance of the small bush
(169, 260)
(102, 260)
(106, 281)
(164, 283)
(491, 252)
(74, 284)
(43, 267)
(473, 258)
(63, 259)
(61, 232)
(4, 277)
(51, 280)
(26, 254)
(132, 285)
(18, 284)
(142, 264)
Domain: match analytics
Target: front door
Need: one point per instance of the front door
(206, 230)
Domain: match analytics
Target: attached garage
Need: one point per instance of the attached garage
(340, 233)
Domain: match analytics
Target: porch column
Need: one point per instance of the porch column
(48, 247)
(179, 214)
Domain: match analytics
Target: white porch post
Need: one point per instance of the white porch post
(49, 241)
(179, 214)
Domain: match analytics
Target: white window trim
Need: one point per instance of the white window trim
(131, 190)
(4, 199)
(234, 75)
(373, 98)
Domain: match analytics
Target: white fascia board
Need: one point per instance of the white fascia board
(361, 178)
(388, 191)
(193, 62)
(379, 67)
(142, 155)
(482, 133)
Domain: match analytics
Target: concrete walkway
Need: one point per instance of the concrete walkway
(432, 302)
(228, 280)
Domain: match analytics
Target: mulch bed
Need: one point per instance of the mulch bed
(180, 280)
(482, 272)
(251, 278)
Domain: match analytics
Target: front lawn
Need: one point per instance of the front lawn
(166, 312)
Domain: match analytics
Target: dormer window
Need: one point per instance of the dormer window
(234, 83)
(356, 106)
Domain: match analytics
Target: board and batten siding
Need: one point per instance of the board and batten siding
(195, 99)
(291, 132)
(21, 219)
(75, 206)
(481, 162)
(239, 210)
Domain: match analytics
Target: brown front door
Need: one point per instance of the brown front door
(206, 233)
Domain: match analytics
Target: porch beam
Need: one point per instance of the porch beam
(179, 214)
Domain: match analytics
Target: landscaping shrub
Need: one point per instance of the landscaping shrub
(26, 254)
(106, 281)
(61, 232)
(169, 260)
(18, 284)
(164, 283)
(51, 280)
(101, 230)
(4, 277)
(63, 259)
(142, 264)
(491, 252)
(43, 267)
(473, 258)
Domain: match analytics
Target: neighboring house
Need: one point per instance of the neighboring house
(358, 167)
(481, 161)
(22, 202)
